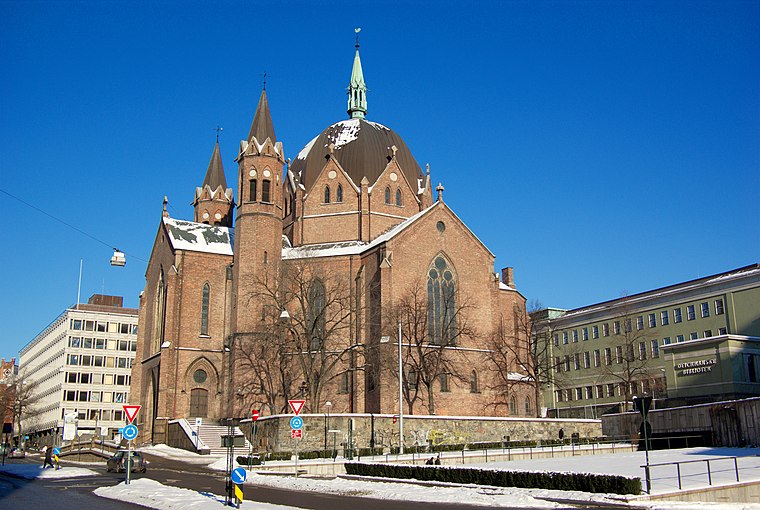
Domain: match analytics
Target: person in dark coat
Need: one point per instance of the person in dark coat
(48, 457)
(438, 460)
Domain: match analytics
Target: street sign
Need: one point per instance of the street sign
(238, 475)
(239, 493)
(56, 451)
(131, 412)
(130, 432)
(296, 405)
(254, 415)
(296, 434)
(198, 422)
(642, 405)
(296, 423)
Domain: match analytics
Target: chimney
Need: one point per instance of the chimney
(508, 276)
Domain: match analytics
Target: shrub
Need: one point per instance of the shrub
(248, 461)
(585, 482)
(279, 456)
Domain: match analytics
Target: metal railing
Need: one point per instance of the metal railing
(647, 469)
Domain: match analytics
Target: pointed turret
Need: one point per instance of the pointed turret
(214, 200)
(357, 90)
(262, 126)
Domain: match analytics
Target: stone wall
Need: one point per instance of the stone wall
(274, 434)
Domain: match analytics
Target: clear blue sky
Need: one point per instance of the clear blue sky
(600, 148)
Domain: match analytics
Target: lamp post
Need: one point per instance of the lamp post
(328, 405)
(400, 395)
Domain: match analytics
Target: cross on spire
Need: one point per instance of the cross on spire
(218, 130)
(264, 79)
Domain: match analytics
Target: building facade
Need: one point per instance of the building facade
(80, 366)
(304, 295)
(691, 342)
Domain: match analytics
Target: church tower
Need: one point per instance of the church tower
(258, 220)
(214, 201)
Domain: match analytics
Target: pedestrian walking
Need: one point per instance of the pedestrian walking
(48, 458)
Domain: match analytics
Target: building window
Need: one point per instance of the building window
(557, 365)
(556, 339)
(597, 358)
(707, 333)
(343, 385)
(575, 336)
(204, 310)
(564, 337)
(606, 329)
(388, 196)
(751, 365)
(693, 335)
(589, 392)
(567, 362)
(578, 393)
(474, 382)
(619, 354)
(265, 188)
(639, 322)
(577, 360)
(677, 315)
(595, 331)
(587, 359)
(559, 395)
(642, 350)
(628, 327)
(441, 303)
(666, 340)
(616, 327)
(607, 356)
(652, 320)
(513, 406)
(252, 190)
(664, 320)
(327, 195)
(690, 315)
(611, 389)
(679, 339)
(200, 376)
(528, 407)
(705, 310)
(722, 331)
(599, 391)
(339, 194)
(569, 394)
(398, 197)
(718, 307)
(316, 324)
(412, 379)
(443, 380)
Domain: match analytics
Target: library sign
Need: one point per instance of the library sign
(695, 367)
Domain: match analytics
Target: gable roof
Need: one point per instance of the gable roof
(199, 237)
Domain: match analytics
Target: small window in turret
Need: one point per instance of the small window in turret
(388, 196)
(339, 194)
(327, 194)
(265, 185)
(398, 197)
(252, 190)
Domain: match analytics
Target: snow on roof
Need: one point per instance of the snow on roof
(504, 286)
(191, 236)
(305, 151)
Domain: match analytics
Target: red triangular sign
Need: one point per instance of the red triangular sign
(296, 405)
(131, 412)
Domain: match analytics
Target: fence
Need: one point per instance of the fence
(722, 470)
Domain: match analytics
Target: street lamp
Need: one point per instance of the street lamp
(328, 405)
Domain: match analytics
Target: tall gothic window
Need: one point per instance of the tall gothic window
(412, 381)
(474, 382)
(327, 194)
(160, 314)
(316, 315)
(441, 287)
(265, 185)
(204, 310)
(339, 194)
(252, 190)
(387, 196)
(398, 197)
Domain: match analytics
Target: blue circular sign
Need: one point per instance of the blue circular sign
(130, 432)
(296, 422)
(238, 476)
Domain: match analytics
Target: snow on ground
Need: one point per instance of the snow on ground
(33, 471)
(161, 450)
(150, 493)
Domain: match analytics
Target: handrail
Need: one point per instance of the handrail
(707, 461)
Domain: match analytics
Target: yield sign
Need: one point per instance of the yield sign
(296, 405)
(131, 412)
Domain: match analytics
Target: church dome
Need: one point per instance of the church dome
(362, 148)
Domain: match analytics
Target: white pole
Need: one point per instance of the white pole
(79, 287)
(400, 395)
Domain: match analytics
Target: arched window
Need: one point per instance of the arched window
(265, 185)
(204, 309)
(252, 190)
(443, 379)
(412, 381)
(316, 322)
(339, 194)
(388, 196)
(160, 313)
(512, 406)
(199, 403)
(528, 410)
(398, 197)
(441, 303)
(327, 194)
(474, 382)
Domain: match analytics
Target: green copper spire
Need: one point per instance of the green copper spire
(357, 90)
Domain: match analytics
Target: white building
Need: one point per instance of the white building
(82, 362)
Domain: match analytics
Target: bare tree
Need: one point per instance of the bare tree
(304, 341)
(24, 398)
(430, 333)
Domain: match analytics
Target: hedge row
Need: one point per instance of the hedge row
(525, 479)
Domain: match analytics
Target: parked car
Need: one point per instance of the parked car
(116, 463)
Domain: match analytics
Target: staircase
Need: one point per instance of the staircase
(211, 434)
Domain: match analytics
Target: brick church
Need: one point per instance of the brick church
(300, 282)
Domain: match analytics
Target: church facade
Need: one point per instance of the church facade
(321, 278)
